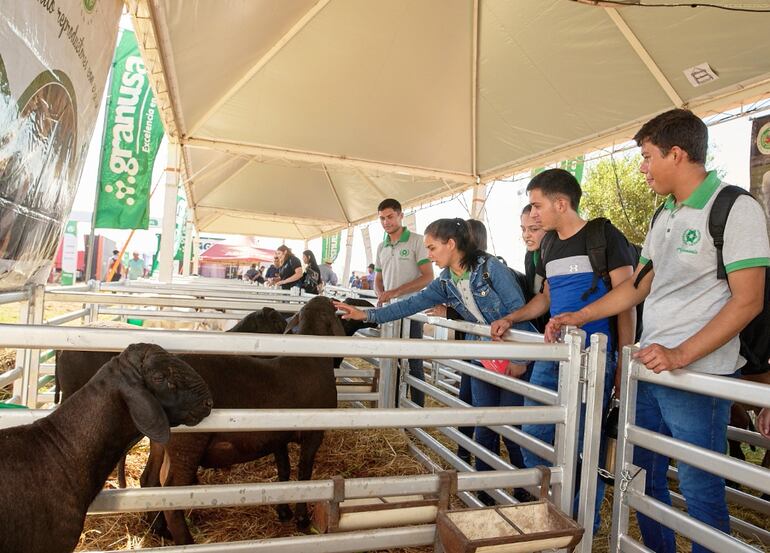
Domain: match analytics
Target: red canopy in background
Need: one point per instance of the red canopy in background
(237, 254)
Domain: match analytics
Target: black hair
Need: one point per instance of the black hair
(527, 209)
(676, 127)
(457, 230)
(478, 233)
(115, 252)
(389, 203)
(370, 266)
(557, 182)
(311, 260)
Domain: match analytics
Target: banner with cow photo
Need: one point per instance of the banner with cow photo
(132, 135)
(54, 59)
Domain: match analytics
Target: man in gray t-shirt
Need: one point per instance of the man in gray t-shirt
(691, 318)
(401, 269)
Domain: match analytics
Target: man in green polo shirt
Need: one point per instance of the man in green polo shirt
(691, 318)
(401, 269)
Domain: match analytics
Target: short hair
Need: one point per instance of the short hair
(557, 182)
(115, 252)
(676, 127)
(370, 266)
(389, 203)
(478, 233)
(527, 209)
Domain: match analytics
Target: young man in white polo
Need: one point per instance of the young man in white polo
(401, 269)
(691, 318)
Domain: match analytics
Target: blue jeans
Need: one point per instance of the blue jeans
(546, 374)
(693, 418)
(484, 394)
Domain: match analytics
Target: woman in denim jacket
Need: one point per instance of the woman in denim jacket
(477, 298)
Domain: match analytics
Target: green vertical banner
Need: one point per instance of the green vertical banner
(330, 247)
(133, 131)
(69, 256)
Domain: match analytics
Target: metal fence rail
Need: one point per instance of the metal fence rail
(630, 479)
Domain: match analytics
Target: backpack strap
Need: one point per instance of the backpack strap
(545, 246)
(720, 210)
(485, 273)
(648, 266)
(596, 246)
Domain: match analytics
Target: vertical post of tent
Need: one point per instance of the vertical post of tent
(31, 371)
(188, 245)
(478, 210)
(196, 253)
(348, 255)
(166, 262)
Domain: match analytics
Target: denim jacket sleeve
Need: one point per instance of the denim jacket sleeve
(431, 295)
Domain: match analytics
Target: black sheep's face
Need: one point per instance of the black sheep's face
(182, 393)
(318, 317)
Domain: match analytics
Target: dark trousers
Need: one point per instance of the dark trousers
(416, 368)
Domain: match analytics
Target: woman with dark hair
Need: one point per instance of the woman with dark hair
(290, 269)
(311, 279)
(479, 287)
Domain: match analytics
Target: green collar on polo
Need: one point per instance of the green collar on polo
(457, 278)
(403, 238)
(700, 196)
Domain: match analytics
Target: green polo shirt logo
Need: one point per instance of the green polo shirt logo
(690, 237)
(404, 253)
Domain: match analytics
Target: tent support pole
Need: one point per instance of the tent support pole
(166, 262)
(640, 50)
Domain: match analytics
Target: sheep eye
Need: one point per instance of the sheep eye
(158, 378)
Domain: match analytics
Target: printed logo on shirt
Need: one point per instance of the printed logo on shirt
(404, 253)
(690, 237)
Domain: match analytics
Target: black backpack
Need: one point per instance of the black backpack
(311, 280)
(596, 245)
(755, 345)
(521, 278)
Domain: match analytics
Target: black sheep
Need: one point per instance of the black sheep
(242, 382)
(51, 470)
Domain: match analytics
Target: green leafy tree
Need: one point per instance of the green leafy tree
(614, 188)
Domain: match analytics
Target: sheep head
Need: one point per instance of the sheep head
(161, 390)
(317, 317)
(265, 321)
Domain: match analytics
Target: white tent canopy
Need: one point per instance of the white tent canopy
(297, 117)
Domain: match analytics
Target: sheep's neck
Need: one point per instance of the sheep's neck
(91, 442)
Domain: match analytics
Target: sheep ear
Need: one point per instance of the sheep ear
(145, 411)
(293, 322)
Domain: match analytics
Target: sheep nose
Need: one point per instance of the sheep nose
(208, 403)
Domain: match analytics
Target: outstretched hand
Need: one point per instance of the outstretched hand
(350, 312)
(555, 325)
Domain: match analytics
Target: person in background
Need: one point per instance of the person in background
(691, 318)
(459, 286)
(251, 273)
(328, 276)
(136, 267)
(402, 268)
(311, 278)
(369, 277)
(290, 271)
(274, 269)
(119, 270)
(532, 233)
